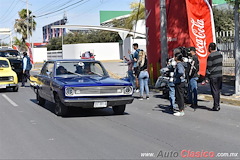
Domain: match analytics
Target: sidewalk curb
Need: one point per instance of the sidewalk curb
(111, 60)
(223, 99)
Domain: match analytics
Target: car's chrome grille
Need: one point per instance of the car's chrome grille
(4, 79)
(100, 90)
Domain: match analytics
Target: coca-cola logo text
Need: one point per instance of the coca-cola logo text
(199, 33)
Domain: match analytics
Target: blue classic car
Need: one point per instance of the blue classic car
(80, 83)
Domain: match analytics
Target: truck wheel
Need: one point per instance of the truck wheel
(119, 110)
(15, 89)
(40, 100)
(60, 108)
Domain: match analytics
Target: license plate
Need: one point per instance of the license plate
(100, 104)
(3, 85)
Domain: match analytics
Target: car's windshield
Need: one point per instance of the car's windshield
(3, 64)
(9, 53)
(80, 68)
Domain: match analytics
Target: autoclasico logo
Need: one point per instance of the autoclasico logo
(187, 154)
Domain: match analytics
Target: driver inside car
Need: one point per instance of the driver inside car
(61, 70)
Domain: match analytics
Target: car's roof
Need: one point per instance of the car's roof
(2, 58)
(73, 60)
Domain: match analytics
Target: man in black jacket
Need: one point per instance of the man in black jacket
(193, 77)
(214, 73)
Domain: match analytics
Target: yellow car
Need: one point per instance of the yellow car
(8, 78)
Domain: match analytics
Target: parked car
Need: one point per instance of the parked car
(15, 60)
(88, 55)
(8, 78)
(80, 83)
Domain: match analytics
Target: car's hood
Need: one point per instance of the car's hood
(92, 81)
(6, 72)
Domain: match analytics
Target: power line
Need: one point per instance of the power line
(7, 13)
(66, 10)
(7, 10)
(51, 7)
(59, 9)
(7, 20)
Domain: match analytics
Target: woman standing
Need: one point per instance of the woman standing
(143, 75)
(179, 81)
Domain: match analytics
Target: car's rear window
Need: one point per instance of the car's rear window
(3, 64)
(9, 53)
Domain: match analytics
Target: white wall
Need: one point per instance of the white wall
(128, 42)
(103, 51)
(39, 54)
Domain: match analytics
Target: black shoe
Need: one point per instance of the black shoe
(216, 108)
(194, 106)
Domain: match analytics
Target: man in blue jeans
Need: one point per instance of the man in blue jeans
(193, 77)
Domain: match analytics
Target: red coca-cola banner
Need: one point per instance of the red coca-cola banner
(201, 29)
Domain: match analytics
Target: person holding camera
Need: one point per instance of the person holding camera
(193, 78)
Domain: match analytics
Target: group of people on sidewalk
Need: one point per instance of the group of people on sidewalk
(183, 76)
(137, 71)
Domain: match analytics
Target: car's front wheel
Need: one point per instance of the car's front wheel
(60, 108)
(119, 110)
(41, 101)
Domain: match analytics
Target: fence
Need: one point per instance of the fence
(52, 55)
(225, 41)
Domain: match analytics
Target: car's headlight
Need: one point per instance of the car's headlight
(128, 90)
(11, 78)
(69, 91)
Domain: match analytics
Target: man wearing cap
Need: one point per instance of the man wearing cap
(193, 77)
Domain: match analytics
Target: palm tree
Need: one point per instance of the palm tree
(138, 12)
(21, 45)
(23, 23)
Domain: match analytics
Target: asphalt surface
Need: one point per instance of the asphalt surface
(145, 131)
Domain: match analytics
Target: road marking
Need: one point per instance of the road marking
(9, 100)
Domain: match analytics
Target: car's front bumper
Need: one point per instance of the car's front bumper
(3, 86)
(89, 102)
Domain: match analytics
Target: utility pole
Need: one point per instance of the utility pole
(163, 33)
(27, 19)
(32, 29)
(236, 49)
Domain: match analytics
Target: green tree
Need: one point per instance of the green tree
(23, 23)
(224, 19)
(55, 44)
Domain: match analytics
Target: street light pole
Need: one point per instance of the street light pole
(163, 31)
(236, 49)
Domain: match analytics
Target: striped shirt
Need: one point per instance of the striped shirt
(214, 65)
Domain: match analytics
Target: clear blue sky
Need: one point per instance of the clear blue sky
(83, 13)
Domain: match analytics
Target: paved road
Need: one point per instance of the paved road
(29, 131)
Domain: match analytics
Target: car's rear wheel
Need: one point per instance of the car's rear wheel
(15, 89)
(119, 110)
(41, 101)
(60, 108)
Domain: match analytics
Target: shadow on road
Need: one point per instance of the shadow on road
(79, 112)
(163, 108)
